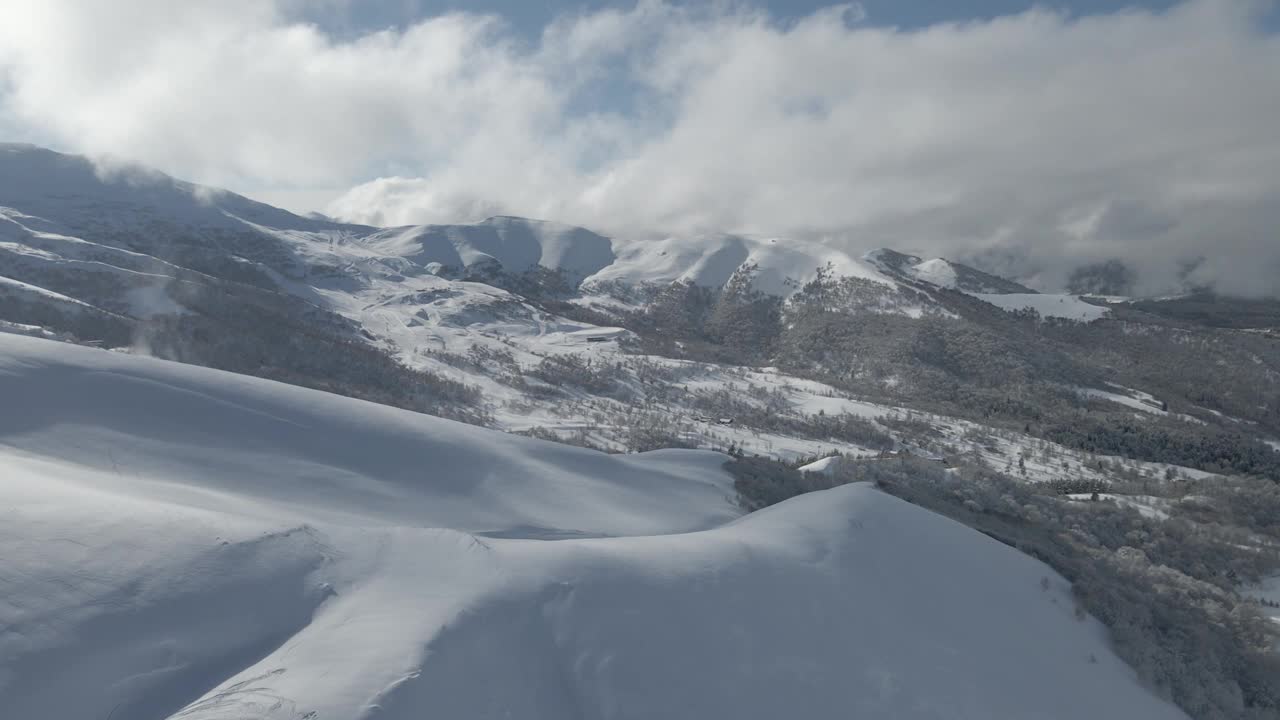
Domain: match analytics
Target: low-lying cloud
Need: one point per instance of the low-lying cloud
(1036, 142)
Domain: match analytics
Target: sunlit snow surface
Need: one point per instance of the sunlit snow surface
(177, 542)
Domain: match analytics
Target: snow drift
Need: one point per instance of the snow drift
(177, 542)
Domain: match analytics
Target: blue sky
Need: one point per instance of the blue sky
(531, 16)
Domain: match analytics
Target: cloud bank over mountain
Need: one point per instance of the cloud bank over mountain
(1034, 143)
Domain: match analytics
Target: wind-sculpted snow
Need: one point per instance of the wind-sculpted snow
(177, 542)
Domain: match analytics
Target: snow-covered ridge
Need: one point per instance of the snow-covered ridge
(516, 244)
(179, 542)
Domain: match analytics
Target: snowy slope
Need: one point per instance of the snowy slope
(1069, 307)
(177, 542)
(293, 451)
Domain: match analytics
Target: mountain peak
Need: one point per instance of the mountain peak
(889, 259)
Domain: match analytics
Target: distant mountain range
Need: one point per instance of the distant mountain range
(109, 242)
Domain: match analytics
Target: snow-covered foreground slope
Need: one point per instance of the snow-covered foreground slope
(176, 542)
(237, 444)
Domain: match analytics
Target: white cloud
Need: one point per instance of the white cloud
(1035, 138)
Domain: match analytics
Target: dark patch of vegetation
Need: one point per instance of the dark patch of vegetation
(1206, 448)
(1213, 310)
(281, 338)
(82, 323)
(576, 438)
(593, 376)
(652, 431)
(761, 482)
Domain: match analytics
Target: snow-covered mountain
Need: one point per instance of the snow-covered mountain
(191, 543)
(508, 307)
(134, 258)
(179, 542)
(132, 231)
